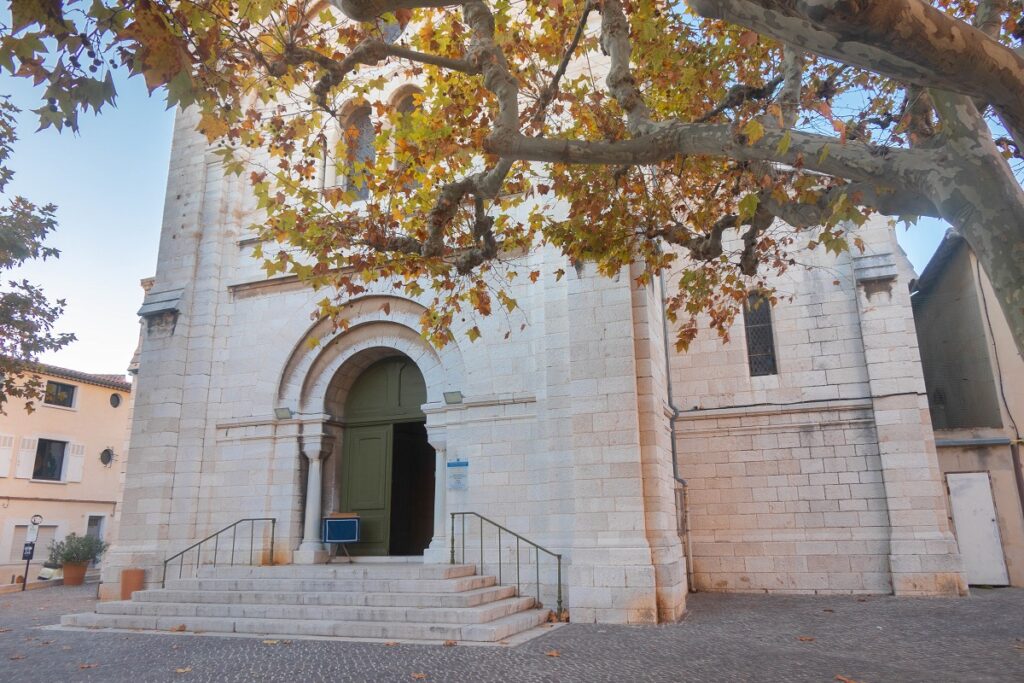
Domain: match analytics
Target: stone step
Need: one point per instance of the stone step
(436, 615)
(492, 632)
(469, 598)
(368, 585)
(340, 571)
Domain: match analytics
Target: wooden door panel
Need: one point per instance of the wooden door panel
(367, 485)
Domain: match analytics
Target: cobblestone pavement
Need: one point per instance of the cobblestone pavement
(723, 638)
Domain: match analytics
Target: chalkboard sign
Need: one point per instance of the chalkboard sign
(340, 530)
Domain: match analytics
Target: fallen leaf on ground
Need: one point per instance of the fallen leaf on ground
(271, 642)
(183, 670)
(87, 666)
(450, 643)
(553, 653)
(390, 643)
(845, 679)
(4, 630)
(179, 627)
(418, 677)
(16, 657)
(805, 639)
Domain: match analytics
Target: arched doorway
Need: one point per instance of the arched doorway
(387, 468)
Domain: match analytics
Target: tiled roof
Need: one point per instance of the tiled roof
(110, 381)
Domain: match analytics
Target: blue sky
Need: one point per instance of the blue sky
(108, 183)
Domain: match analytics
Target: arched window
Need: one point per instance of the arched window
(358, 136)
(757, 318)
(404, 106)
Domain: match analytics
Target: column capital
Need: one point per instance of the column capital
(316, 446)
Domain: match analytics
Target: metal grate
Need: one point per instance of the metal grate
(757, 317)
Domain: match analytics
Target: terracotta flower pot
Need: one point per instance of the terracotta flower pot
(74, 573)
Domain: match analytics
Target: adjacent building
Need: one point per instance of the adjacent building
(975, 379)
(64, 461)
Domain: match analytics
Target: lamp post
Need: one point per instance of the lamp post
(29, 549)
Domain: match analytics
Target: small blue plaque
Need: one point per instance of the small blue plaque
(340, 530)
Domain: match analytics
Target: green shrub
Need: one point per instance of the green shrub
(75, 549)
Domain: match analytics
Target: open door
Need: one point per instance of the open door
(367, 486)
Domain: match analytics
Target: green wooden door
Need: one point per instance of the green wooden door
(367, 485)
(388, 392)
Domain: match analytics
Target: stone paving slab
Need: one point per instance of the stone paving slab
(723, 638)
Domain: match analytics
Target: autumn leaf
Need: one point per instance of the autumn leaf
(747, 39)
(450, 643)
(806, 639)
(178, 628)
(418, 676)
(553, 653)
(183, 670)
(754, 131)
(271, 642)
(844, 679)
(87, 666)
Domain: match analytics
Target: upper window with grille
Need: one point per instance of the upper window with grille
(757, 318)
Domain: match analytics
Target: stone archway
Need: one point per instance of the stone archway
(312, 381)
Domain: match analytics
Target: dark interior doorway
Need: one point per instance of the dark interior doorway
(412, 490)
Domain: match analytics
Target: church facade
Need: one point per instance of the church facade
(798, 458)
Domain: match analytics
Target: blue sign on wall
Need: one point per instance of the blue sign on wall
(343, 530)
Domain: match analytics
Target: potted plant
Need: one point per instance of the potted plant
(75, 553)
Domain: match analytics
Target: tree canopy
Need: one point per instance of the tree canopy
(26, 315)
(429, 142)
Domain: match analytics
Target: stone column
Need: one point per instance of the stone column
(438, 551)
(923, 555)
(312, 550)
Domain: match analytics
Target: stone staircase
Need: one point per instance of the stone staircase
(389, 600)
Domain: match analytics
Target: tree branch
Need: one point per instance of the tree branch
(793, 74)
(908, 40)
(551, 91)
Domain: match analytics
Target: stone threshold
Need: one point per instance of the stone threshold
(510, 642)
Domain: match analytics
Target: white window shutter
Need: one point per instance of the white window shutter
(6, 453)
(76, 462)
(26, 459)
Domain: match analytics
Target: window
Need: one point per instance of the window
(757, 317)
(359, 137)
(59, 394)
(47, 534)
(49, 460)
(115, 400)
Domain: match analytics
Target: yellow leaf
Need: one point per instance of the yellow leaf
(753, 130)
(212, 126)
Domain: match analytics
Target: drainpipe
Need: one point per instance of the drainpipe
(683, 505)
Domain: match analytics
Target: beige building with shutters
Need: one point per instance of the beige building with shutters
(65, 461)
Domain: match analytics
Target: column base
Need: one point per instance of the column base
(927, 568)
(438, 552)
(311, 553)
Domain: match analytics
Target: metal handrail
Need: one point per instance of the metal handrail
(537, 550)
(233, 527)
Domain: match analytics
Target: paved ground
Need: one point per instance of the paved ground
(723, 638)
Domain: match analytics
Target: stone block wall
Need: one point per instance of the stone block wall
(822, 477)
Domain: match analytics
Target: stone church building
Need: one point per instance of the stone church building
(798, 458)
